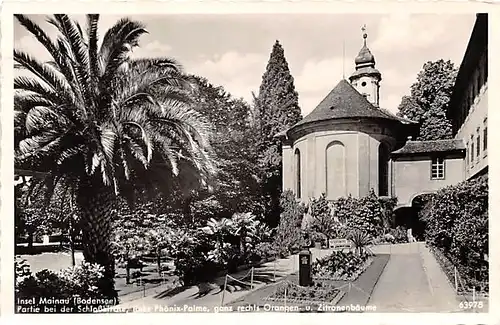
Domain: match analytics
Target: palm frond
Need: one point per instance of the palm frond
(117, 43)
(92, 23)
(35, 86)
(79, 50)
(39, 34)
(45, 72)
(40, 118)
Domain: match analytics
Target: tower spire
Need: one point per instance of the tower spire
(366, 79)
(365, 35)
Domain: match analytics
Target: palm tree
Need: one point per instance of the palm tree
(106, 123)
(243, 224)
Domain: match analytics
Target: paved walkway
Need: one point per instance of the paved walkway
(412, 281)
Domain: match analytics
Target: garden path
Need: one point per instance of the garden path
(412, 281)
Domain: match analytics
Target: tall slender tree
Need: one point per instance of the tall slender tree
(276, 108)
(429, 99)
(107, 124)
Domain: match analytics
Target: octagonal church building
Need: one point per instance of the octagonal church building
(343, 146)
(349, 145)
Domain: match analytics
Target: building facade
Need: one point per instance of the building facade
(349, 145)
(468, 108)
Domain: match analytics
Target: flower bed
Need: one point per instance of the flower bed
(341, 266)
(320, 292)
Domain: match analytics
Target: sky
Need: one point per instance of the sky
(232, 50)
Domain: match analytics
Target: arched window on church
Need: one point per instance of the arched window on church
(383, 169)
(298, 187)
(335, 171)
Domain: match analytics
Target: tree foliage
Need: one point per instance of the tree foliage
(276, 109)
(429, 99)
(235, 144)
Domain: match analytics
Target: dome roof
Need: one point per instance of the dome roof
(365, 56)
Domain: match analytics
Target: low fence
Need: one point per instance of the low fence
(471, 293)
(248, 276)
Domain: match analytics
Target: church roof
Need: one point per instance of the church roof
(434, 146)
(344, 101)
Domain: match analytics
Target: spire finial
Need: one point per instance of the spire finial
(365, 35)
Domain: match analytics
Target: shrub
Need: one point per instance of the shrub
(322, 218)
(79, 281)
(366, 214)
(360, 240)
(263, 251)
(318, 291)
(389, 238)
(194, 257)
(456, 220)
(288, 232)
(400, 234)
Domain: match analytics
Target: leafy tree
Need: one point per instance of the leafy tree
(276, 109)
(234, 142)
(429, 99)
(107, 124)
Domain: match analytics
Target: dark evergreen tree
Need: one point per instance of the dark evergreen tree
(276, 109)
(429, 100)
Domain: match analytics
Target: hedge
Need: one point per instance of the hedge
(456, 220)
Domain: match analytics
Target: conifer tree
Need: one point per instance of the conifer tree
(277, 109)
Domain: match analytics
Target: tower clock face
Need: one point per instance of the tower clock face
(363, 83)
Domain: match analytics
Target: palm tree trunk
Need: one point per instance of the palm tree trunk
(96, 203)
(71, 232)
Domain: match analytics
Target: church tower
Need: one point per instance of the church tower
(366, 79)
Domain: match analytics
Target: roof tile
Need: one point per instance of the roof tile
(416, 147)
(344, 101)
